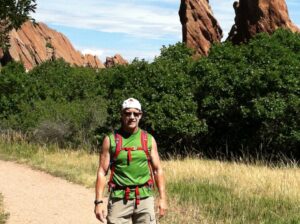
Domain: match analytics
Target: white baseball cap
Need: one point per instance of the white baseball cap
(131, 103)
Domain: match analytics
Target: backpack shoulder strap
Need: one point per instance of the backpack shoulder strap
(144, 141)
(118, 141)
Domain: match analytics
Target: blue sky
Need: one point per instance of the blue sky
(133, 28)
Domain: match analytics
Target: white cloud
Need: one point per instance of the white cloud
(128, 55)
(138, 18)
(141, 18)
(146, 19)
(150, 21)
(97, 52)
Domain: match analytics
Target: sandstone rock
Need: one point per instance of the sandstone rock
(257, 16)
(115, 60)
(92, 61)
(33, 44)
(199, 27)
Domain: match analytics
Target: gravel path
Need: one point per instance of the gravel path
(34, 197)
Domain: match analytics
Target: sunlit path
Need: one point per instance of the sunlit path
(35, 197)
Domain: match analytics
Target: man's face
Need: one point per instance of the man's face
(131, 118)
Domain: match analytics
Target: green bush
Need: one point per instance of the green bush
(66, 123)
(166, 93)
(249, 96)
(12, 78)
(240, 100)
(53, 103)
(59, 81)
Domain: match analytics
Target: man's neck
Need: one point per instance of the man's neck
(129, 131)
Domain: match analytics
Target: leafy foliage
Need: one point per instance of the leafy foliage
(164, 89)
(240, 100)
(12, 79)
(55, 103)
(12, 15)
(66, 123)
(249, 95)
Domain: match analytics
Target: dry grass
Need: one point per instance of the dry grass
(243, 179)
(178, 214)
(216, 192)
(244, 182)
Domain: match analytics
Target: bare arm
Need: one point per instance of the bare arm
(101, 179)
(159, 178)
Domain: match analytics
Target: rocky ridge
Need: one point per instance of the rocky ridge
(35, 43)
(115, 60)
(258, 16)
(199, 27)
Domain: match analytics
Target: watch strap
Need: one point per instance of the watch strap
(97, 202)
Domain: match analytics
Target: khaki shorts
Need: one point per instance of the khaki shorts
(122, 212)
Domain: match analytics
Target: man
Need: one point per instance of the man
(132, 156)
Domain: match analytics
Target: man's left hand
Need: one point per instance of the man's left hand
(162, 206)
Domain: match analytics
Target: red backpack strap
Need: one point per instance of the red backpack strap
(118, 141)
(144, 141)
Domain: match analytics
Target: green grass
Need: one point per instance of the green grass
(221, 205)
(75, 166)
(199, 191)
(3, 214)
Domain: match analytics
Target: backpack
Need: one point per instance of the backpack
(127, 189)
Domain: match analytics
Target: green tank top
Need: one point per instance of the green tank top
(137, 171)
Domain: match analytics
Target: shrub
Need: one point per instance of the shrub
(59, 81)
(12, 78)
(239, 100)
(249, 96)
(74, 122)
(53, 132)
(166, 93)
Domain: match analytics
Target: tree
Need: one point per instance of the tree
(13, 13)
(249, 95)
(166, 92)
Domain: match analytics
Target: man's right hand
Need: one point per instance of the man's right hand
(100, 212)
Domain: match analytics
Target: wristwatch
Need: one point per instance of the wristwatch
(96, 202)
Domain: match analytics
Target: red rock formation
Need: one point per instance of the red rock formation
(92, 61)
(199, 27)
(256, 16)
(115, 60)
(34, 44)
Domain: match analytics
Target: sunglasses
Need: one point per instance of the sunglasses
(135, 114)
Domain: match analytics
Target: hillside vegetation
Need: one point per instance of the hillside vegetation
(240, 101)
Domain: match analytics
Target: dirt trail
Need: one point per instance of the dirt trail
(34, 197)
